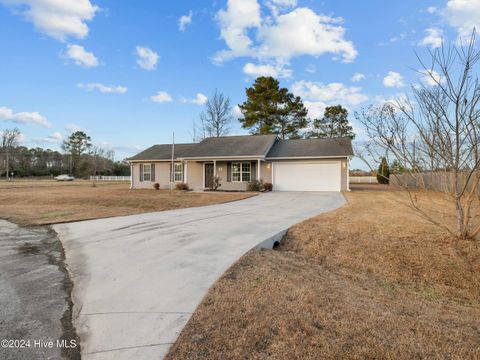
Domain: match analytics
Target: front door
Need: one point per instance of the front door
(208, 176)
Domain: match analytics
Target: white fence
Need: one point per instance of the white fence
(110, 178)
(363, 180)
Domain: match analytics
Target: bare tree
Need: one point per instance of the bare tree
(9, 142)
(435, 135)
(216, 118)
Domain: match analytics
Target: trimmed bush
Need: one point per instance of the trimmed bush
(267, 186)
(156, 186)
(255, 185)
(181, 186)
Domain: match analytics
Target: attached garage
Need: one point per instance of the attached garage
(307, 176)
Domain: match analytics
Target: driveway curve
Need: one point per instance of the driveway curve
(137, 279)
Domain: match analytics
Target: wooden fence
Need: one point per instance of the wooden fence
(439, 181)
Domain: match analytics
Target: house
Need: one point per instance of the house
(290, 165)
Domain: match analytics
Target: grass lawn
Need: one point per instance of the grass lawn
(47, 202)
(370, 280)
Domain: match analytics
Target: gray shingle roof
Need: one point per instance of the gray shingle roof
(229, 146)
(163, 152)
(311, 148)
(249, 145)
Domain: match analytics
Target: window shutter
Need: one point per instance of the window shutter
(253, 176)
(183, 173)
(153, 173)
(171, 172)
(141, 172)
(229, 172)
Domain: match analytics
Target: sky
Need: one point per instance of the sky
(130, 73)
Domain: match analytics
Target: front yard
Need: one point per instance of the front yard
(47, 202)
(369, 280)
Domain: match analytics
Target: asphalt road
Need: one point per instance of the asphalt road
(35, 307)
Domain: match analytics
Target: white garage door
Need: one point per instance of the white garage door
(307, 176)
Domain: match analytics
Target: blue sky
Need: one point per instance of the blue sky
(130, 73)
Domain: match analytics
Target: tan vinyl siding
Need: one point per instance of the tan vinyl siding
(195, 175)
(162, 176)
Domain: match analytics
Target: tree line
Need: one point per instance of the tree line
(79, 158)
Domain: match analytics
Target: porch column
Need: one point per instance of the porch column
(258, 170)
(214, 168)
(185, 169)
(131, 175)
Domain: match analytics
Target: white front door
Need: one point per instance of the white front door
(307, 176)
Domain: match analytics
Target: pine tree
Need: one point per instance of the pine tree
(333, 124)
(383, 174)
(270, 109)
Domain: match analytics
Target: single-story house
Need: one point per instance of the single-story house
(290, 165)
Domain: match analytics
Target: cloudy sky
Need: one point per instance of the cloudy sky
(130, 73)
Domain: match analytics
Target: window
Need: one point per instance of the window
(178, 172)
(246, 168)
(147, 172)
(236, 172)
(241, 172)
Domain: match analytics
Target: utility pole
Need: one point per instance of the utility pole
(172, 173)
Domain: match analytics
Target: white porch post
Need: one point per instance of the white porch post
(185, 172)
(214, 168)
(258, 170)
(131, 175)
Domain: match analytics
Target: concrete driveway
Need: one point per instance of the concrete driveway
(137, 279)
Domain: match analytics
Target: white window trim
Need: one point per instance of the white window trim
(147, 172)
(241, 171)
(175, 172)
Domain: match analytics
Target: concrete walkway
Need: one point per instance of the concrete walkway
(137, 279)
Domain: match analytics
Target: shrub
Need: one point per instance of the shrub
(267, 186)
(156, 186)
(181, 186)
(216, 183)
(383, 174)
(255, 185)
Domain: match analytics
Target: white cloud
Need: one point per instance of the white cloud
(80, 56)
(312, 69)
(358, 77)
(237, 112)
(431, 9)
(55, 138)
(317, 96)
(277, 6)
(266, 70)
(184, 21)
(161, 97)
(146, 58)
(433, 39)
(106, 89)
(431, 77)
(73, 128)
(393, 79)
(56, 18)
(280, 36)
(463, 15)
(7, 114)
(107, 145)
(200, 99)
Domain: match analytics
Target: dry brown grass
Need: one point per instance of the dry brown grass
(368, 281)
(48, 202)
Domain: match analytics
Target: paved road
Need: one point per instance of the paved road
(138, 278)
(34, 294)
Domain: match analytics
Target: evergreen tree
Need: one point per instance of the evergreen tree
(270, 109)
(76, 145)
(333, 124)
(383, 174)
